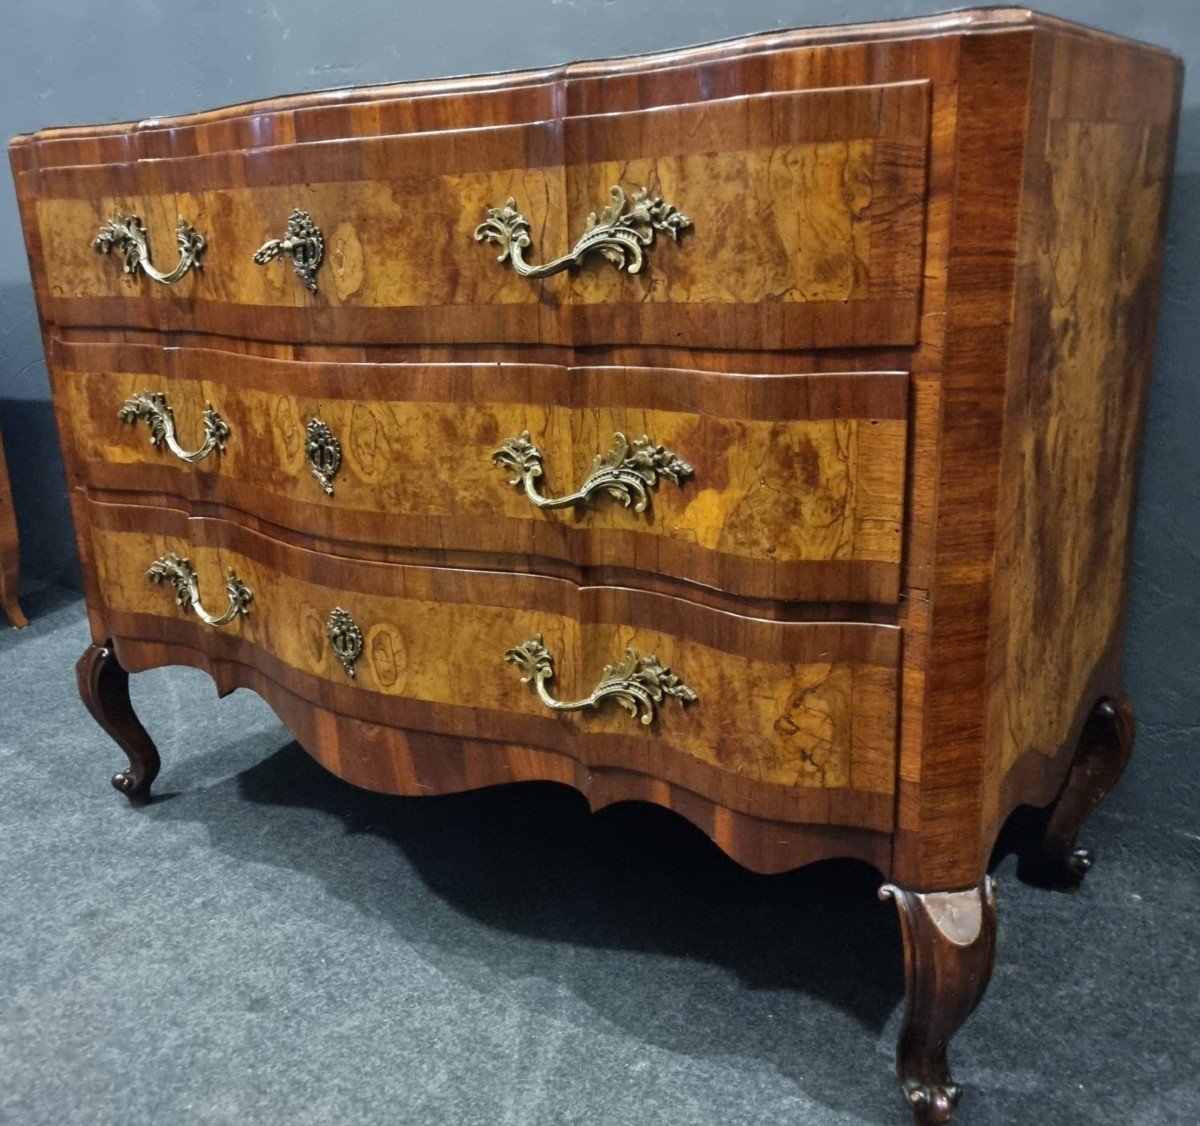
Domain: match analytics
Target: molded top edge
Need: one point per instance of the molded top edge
(958, 22)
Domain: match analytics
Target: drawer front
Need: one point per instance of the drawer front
(805, 227)
(807, 211)
(779, 487)
(791, 720)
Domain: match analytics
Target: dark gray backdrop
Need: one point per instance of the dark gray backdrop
(65, 62)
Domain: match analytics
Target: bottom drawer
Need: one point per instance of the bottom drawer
(787, 721)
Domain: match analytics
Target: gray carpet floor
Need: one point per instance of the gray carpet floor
(265, 944)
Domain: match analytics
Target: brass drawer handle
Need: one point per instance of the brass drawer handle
(126, 234)
(620, 235)
(626, 473)
(639, 684)
(302, 243)
(152, 406)
(178, 572)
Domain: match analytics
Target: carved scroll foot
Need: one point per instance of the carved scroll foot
(949, 950)
(104, 689)
(1104, 750)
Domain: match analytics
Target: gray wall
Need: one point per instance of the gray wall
(73, 62)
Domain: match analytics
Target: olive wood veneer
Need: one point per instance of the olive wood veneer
(894, 308)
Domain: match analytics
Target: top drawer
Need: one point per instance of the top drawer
(806, 213)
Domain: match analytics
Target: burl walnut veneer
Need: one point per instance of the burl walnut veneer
(751, 429)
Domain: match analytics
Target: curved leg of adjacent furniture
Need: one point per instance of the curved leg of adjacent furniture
(104, 688)
(10, 556)
(949, 950)
(1103, 754)
(10, 577)
(8, 599)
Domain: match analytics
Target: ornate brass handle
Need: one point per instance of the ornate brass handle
(620, 235)
(178, 572)
(152, 406)
(626, 473)
(639, 684)
(126, 234)
(302, 242)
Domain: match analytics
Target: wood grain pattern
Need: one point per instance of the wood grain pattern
(949, 952)
(1025, 397)
(797, 491)
(807, 206)
(899, 597)
(750, 64)
(941, 767)
(10, 556)
(844, 225)
(789, 707)
(393, 760)
(980, 90)
(816, 59)
(1081, 416)
(1075, 409)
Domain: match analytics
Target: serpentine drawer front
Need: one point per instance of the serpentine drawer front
(788, 487)
(805, 709)
(808, 201)
(749, 429)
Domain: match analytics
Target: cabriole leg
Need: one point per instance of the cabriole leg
(1105, 747)
(949, 950)
(104, 688)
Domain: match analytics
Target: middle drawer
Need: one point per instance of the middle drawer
(786, 487)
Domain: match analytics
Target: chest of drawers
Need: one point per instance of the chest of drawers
(751, 430)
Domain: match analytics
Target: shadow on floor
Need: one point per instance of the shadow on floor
(530, 862)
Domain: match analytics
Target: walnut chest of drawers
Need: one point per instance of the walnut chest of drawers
(751, 430)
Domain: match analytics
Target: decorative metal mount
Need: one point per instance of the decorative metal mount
(639, 684)
(126, 234)
(152, 406)
(302, 242)
(626, 473)
(177, 571)
(324, 454)
(619, 235)
(345, 637)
